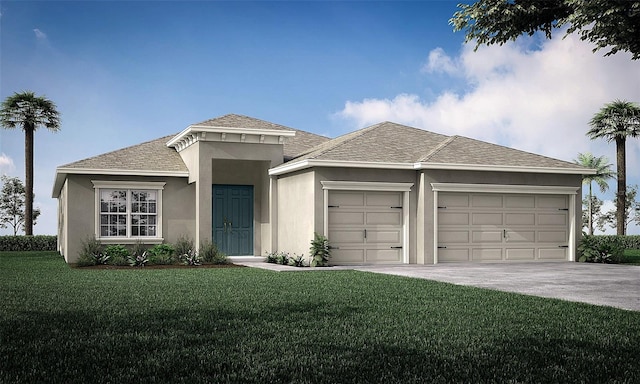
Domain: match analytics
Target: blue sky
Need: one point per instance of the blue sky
(123, 72)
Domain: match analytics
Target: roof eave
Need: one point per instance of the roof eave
(62, 172)
(308, 163)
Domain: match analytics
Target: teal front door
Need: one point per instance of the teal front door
(233, 219)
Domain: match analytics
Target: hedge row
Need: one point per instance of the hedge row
(627, 242)
(28, 243)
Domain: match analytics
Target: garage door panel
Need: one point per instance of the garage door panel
(486, 201)
(521, 236)
(449, 237)
(383, 255)
(552, 253)
(520, 218)
(552, 219)
(486, 218)
(346, 236)
(520, 254)
(453, 218)
(487, 237)
(381, 236)
(391, 199)
(384, 218)
(345, 199)
(518, 201)
(494, 227)
(346, 218)
(552, 236)
(366, 227)
(552, 202)
(453, 200)
(486, 254)
(453, 254)
(347, 255)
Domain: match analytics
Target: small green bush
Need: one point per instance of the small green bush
(320, 251)
(596, 249)
(209, 253)
(118, 254)
(28, 243)
(138, 259)
(191, 258)
(162, 254)
(91, 253)
(297, 261)
(183, 246)
(272, 257)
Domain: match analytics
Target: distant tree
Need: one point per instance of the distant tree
(615, 122)
(28, 111)
(589, 218)
(631, 214)
(603, 173)
(12, 204)
(614, 24)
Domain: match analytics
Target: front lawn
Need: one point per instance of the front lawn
(64, 325)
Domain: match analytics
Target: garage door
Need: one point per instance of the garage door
(502, 227)
(365, 227)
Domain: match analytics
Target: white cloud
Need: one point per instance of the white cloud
(6, 164)
(535, 100)
(439, 62)
(39, 34)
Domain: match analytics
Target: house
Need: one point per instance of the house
(387, 193)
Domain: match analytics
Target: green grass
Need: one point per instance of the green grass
(64, 325)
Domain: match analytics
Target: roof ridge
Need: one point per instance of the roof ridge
(438, 148)
(329, 146)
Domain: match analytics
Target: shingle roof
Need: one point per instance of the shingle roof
(395, 143)
(152, 155)
(463, 150)
(384, 142)
(293, 146)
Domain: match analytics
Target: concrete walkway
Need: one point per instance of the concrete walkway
(600, 284)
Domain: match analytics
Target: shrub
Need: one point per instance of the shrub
(297, 261)
(272, 257)
(209, 253)
(183, 246)
(118, 254)
(28, 243)
(191, 258)
(627, 241)
(282, 258)
(162, 254)
(138, 259)
(91, 252)
(320, 251)
(595, 249)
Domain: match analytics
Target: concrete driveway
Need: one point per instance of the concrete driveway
(600, 284)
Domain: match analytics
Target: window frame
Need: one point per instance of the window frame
(129, 187)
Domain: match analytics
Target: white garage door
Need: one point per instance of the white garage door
(365, 227)
(502, 227)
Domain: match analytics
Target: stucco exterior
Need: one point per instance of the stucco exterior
(291, 174)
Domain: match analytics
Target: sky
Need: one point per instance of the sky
(124, 72)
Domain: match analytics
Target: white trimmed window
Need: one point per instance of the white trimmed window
(128, 210)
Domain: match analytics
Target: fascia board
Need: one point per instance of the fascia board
(248, 131)
(504, 188)
(299, 165)
(505, 168)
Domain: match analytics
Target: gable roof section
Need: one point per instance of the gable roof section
(395, 146)
(295, 141)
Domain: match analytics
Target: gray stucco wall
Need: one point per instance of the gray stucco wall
(178, 209)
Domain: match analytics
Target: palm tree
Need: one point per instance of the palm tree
(28, 111)
(603, 173)
(615, 122)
